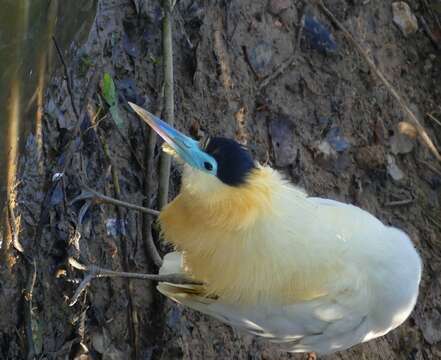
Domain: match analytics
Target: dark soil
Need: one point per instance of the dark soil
(342, 134)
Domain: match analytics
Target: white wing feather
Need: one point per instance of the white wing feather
(320, 325)
(348, 314)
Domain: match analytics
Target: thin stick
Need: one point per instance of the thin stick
(287, 64)
(399, 202)
(434, 222)
(149, 244)
(280, 70)
(424, 137)
(247, 60)
(147, 224)
(431, 167)
(68, 79)
(169, 108)
(434, 119)
(83, 285)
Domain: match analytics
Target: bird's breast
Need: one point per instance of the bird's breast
(245, 253)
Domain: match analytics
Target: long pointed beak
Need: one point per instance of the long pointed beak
(187, 148)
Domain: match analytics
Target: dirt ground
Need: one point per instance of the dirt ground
(326, 122)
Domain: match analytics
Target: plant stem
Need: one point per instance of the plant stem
(169, 111)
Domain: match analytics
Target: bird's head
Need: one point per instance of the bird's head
(212, 164)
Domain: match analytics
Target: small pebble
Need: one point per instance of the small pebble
(336, 140)
(57, 195)
(260, 58)
(401, 144)
(318, 36)
(282, 137)
(404, 18)
(407, 129)
(131, 47)
(276, 7)
(115, 227)
(431, 327)
(393, 170)
(371, 157)
(326, 150)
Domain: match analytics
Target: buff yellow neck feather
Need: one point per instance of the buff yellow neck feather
(220, 229)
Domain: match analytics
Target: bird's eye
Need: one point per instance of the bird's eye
(208, 166)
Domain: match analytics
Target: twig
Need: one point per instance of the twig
(83, 285)
(434, 119)
(149, 244)
(434, 222)
(68, 79)
(431, 167)
(424, 137)
(399, 202)
(286, 65)
(98, 272)
(247, 60)
(15, 224)
(280, 70)
(93, 194)
(169, 109)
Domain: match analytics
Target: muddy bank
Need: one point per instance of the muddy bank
(345, 145)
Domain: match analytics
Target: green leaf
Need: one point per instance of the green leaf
(109, 92)
(37, 333)
(110, 96)
(116, 117)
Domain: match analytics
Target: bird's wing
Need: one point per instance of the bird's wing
(325, 324)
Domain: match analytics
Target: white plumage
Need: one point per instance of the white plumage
(369, 285)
